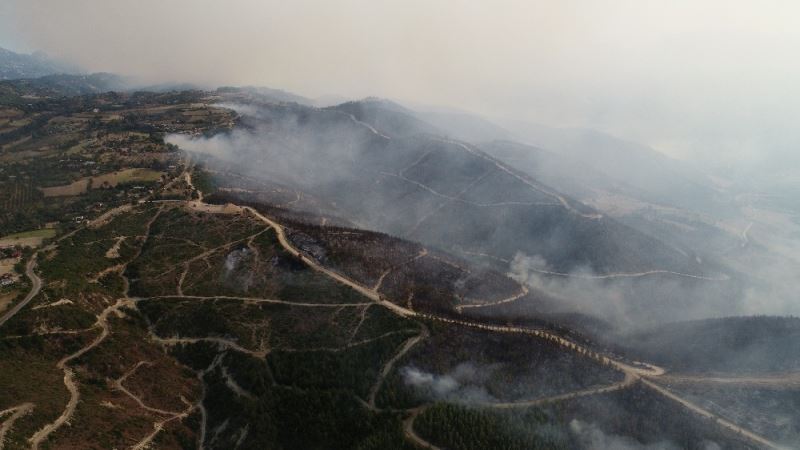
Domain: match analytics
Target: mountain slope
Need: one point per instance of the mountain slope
(385, 171)
(17, 65)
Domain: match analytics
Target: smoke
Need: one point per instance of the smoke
(463, 384)
(628, 302)
(710, 80)
(234, 259)
(591, 437)
(276, 145)
(326, 152)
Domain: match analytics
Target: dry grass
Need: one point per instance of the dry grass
(7, 265)
(74, 188)
(31, 238)
(127, 175)
(5, 299)
(109, 179)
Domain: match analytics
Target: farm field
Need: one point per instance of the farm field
(31, 238)
(106, 180)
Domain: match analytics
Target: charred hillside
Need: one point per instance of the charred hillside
(409, 183)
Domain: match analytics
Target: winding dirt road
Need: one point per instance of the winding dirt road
(627, 382)
(16, 413)
(607, 276)
(36, 286)
(632, 373)
(69, 376)
(522, 293)
(411, 435)
(227, 343)
(709, 415)
(560, 198)
(256, 300)
(781, 380)
(422, 253)
(632, 275)
(387, 368)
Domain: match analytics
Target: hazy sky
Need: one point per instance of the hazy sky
(707, 79)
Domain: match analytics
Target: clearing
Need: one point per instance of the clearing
(31, 238)
(106, 180)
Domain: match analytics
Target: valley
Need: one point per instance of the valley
(276, 306)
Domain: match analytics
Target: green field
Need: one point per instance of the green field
(44, 233)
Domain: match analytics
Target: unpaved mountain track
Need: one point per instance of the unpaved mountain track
(256, 300)
(15, 412)
(234, 386)
(632, 373)
(422, 253)
(361, 318)
(426, 217)
(745, 238)
(563, 201)
(783, 380)
(102, 322)
(464, 201)
(36, 286)
(607, 276)
(347, 346)
(730, 426)
(158, 426)
(387, 368)
(185, 264)
(627, 382)
(226, 343)
(69, 376)
(118, 384)
(367, 126)
(522, 293)
(201, 441)
(631, 275)
(411, 435)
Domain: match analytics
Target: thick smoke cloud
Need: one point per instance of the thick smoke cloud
(591, 437)
(710, 80)
(274, 146)
(669, 297)
(462, 384)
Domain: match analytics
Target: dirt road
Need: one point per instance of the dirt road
(607, 276)
(709, 415)
(408, 429)
(522, 293)
(422, 253)
(560, 198)
(782, 380)
(256, 300)
(632, 275)
(36, 286)
(69, 377)
(632, 372)
(279, 230)
(16, 412)
(628, 381)
(387, 368)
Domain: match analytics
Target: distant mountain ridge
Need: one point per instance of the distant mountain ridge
(19, 65)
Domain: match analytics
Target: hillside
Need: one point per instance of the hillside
(17, 65)
(178, 301)
(404, 181)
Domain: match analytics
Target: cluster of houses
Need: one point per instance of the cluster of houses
(7, 279)
(10, 252)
